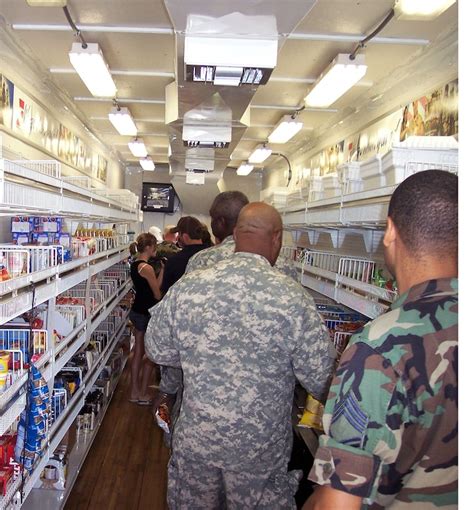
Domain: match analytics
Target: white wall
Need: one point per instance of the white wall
(25, 73)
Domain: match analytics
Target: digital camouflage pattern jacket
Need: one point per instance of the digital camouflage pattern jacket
(242, 332)
(210, 256)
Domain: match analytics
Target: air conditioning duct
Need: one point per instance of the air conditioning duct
(213, 58)
(195, 177)
(207, 127)
(201, 160)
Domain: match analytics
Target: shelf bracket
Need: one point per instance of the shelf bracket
(337, 237)
(313, 236)
(372, 239)
(295, 234)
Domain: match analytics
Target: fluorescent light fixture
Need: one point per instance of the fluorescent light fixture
(421, 9)
(147, 164)
(285, 130)
(123, 121)
(47, 3)
(93, 70)
(244, 169)
(260, 154)
(137, 148)
(341, 74)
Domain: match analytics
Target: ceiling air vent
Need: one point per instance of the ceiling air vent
(219, 52)
(216, 136)
(227, 76)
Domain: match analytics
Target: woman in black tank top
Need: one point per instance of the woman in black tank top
(146, 293)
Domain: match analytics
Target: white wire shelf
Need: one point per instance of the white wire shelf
(346, 280)
(52, 499)
(33, 190)
(55, 281)
(59, 429)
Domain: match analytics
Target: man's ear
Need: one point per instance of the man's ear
(391, 234)
(185, 237)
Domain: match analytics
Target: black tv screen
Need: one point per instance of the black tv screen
(158, 197)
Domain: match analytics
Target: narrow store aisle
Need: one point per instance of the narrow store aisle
(126, 465)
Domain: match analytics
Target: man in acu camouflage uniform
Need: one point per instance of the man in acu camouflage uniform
(224, 213)
(241, 332)
(391, 419)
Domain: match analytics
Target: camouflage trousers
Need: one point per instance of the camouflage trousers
(197, 486)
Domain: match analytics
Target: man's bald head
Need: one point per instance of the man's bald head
(259, 230)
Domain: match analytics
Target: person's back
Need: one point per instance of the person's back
(144, 297)
(410, 355)
(391, 421)
(224, 212)
(241, 332)
(236, 341)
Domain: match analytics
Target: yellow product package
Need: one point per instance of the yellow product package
(313, 414)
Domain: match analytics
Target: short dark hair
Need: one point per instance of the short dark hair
(228, 205)
(424, 209)
(189, 225)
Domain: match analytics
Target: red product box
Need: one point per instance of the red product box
(7, 448)
(6, 478)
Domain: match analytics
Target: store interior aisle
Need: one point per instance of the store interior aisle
(126, 465)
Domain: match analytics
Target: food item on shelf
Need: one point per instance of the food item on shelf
(4, 274)
(349, 326)
(313, 414)
(32, 427)
(163, 417)
(4, 361)
(17, 261)
(6, 479)
(379, 280)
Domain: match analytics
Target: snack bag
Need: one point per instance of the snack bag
(313, 414)
(163, 417)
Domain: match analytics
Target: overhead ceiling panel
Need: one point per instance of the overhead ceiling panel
(344, 16)
(108, 12)
(280, 93)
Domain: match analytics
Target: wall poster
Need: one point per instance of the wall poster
(23, 115)
(6, 101)
(433, 115)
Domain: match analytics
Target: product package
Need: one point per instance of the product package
(313, 414)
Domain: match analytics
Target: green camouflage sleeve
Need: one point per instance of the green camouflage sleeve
(363, 423)
(159, 344)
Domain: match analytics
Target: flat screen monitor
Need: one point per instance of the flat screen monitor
(157, 197)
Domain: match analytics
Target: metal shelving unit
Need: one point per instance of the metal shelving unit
(36, 188)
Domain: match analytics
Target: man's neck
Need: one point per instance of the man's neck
(414, 272)
(193, 242)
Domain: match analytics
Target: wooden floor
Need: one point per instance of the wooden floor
(126, 465)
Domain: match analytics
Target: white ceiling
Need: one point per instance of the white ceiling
(300, 61)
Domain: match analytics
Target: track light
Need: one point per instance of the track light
(244, 169)
(147, 164)
(285, 130)
(93, 70)
(260, 154)
(123, 121)
(137, 148)
(420, 9)
(341, 74)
